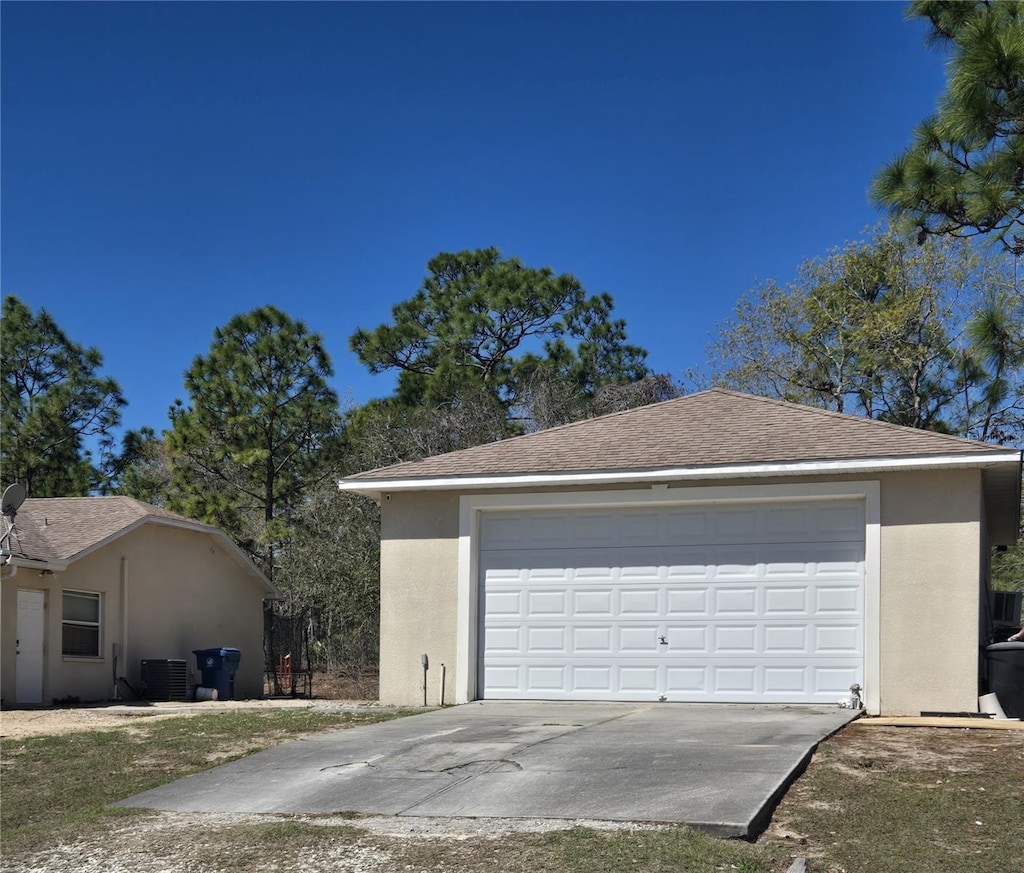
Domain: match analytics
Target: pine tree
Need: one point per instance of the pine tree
(964, 173)
(258, 430)
(53, 398)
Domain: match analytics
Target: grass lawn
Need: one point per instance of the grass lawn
(884, 800)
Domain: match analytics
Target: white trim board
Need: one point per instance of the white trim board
(677, 474)
(471, 507)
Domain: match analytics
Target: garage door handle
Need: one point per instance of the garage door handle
(663, 641)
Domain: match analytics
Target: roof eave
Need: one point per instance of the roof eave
(377, 486)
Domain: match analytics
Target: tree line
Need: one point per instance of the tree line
(915, 324)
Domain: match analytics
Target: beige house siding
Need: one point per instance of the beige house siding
(182, 591)
(418, 594)
(931, 543)
(931, 565)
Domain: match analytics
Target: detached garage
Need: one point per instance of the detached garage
(715, 548)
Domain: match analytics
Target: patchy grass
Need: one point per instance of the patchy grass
(581, 850)
(896, 800)
(63, 782)
(905, 800)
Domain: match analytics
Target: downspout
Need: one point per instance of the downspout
(122, 658)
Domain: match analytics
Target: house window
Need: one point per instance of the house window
(81, 625)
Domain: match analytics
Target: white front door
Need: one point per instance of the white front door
(29, 670)
(760, 602)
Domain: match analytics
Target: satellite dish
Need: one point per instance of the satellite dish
(14, 496)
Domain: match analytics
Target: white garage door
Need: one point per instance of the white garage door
(745, 603)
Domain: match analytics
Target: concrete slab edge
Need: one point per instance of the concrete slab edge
(760, 820)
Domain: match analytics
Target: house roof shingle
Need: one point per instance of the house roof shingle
(59, 528)
(707, 429)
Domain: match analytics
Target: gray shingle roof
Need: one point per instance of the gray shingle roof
(711, 428)
(58, 528)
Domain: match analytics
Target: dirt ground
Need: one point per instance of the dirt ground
(332, 690)
(18, 724)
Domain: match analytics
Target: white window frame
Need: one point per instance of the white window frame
(473, 505)
(98, 624)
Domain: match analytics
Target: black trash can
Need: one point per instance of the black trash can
(1006, 676)
(218, 667)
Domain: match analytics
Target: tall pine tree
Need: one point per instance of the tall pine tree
(53, 398)
(964, 173)
(258, 430)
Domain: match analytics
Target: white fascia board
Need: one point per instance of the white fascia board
(678, 474)
(31, 564)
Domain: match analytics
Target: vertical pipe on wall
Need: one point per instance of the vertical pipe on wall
(440, 697)
(124, 619)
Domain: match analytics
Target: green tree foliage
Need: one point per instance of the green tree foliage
(480, 318)
(914, 335)
(964, 173)
(387, 431)
(144, 469)
(259, 430)
(331, 575)
(53, 398)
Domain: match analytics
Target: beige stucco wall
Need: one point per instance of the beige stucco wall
(931, 568)
(932, 555)
(418, 597)
(183, 591)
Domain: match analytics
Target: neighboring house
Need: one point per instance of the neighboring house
(714, 548)
(92, 580)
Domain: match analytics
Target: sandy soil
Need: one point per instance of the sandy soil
(21, 723)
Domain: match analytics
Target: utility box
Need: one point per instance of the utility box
(165, 679)
(218, 667)
(1006, 676)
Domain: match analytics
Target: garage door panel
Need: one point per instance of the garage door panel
(687, 682)
(593, 679)
(687, 603)
(778, 617)
(735, 602)
(546, 678)
(640, 602)
(786, 639)
(792, 680)
(546, 602)
(638, 679)
(547, 640)
(835, 639)
(688, 640)
(837, 600)
(588, 603)
(504, 603)
(593, 640)
(503, 680)
(834, 682)
(785, 600)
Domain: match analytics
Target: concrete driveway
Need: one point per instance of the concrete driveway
(720, 768)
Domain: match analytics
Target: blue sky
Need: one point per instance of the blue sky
(167, 166)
